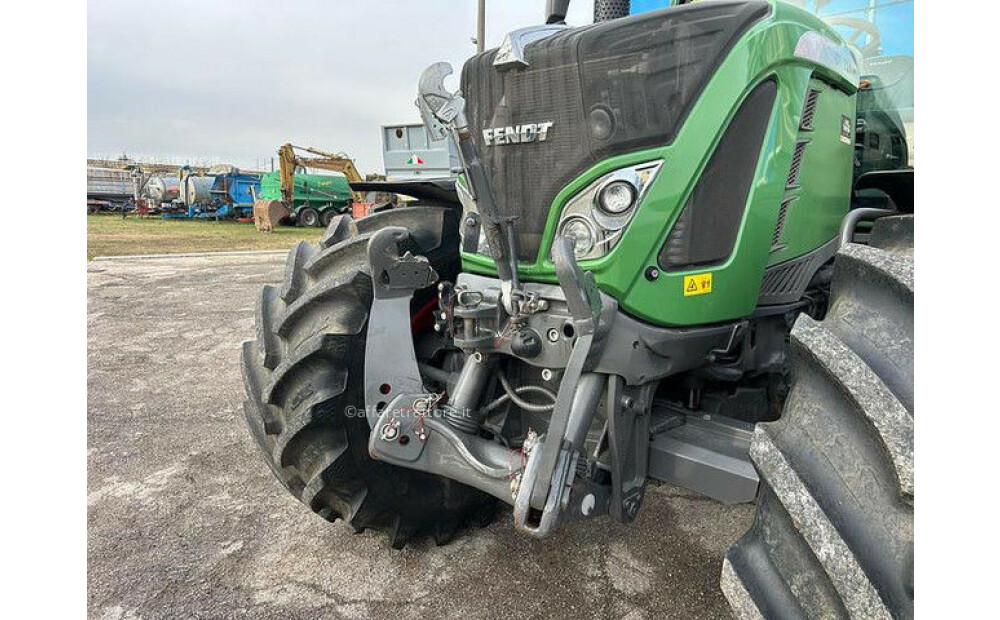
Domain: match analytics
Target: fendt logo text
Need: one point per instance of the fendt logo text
(518, 134)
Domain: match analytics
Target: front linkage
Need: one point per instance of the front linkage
(605, 362)
(548, 477)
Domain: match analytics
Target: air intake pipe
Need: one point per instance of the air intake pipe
(555, 10)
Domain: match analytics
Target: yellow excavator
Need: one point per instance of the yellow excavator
(269, 211)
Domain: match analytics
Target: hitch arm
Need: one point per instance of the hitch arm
(440, 107)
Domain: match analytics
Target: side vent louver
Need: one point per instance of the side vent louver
(809, 110)
(782, 214)
(792, 183)
(793, 174)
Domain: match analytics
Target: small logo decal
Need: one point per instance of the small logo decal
(415, 160)
(845, 129)
(698, 284)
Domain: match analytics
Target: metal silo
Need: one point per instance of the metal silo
(163, 188)
(197, 190)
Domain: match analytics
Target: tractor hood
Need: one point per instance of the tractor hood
(590, 93)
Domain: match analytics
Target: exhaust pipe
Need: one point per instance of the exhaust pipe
(555, 10)
(605, 10)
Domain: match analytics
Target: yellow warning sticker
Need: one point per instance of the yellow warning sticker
(698, 284)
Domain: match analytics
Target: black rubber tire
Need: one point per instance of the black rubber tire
(326, 217)
(304, 377)
(308, 217)
(833, 535)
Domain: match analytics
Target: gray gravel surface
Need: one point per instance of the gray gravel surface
(184, 520)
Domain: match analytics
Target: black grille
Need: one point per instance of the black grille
(780, 227)
(608, 88)
(705, 232)
(781, 280)
(808, 110)
(793, 173)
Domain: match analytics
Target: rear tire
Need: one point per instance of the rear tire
(326, 217)
(308, 217)
(833, 535)
(304, 382)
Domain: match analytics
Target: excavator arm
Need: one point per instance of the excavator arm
(324, 161)
(267, 213)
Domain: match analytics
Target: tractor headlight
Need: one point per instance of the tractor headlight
(581, 234)
(617, 197)
(596, 217)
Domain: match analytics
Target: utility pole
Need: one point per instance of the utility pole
(481, 28)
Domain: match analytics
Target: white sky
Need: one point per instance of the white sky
(229, 81)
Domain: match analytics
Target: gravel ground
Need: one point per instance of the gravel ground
(184, 519)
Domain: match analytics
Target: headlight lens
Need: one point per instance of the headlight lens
(617, 197)
(595, 218)
(581, 234)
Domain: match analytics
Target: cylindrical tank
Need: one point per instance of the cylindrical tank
(197, 190)
(163, 188)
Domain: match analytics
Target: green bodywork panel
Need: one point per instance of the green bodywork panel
(766, 50)
(319, 191)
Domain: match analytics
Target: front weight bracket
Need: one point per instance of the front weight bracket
(390, 360)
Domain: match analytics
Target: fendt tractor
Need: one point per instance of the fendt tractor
(680, 250)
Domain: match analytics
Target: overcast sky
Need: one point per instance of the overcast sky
(228, 81)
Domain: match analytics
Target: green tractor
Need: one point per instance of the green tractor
(674, 254)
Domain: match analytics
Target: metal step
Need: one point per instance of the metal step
(705, 453)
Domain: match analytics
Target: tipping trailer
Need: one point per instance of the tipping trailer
(225, 195)
(109, 189)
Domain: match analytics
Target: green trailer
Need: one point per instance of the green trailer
(316, 199)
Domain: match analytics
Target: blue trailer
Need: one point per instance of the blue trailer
(229, 195)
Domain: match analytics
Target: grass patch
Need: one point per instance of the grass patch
(110, 235)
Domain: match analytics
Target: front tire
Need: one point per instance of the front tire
(304, 383)
(833, 535)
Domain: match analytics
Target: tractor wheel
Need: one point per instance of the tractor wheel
(308, 217)
(304, 382)
(326, 217)
(833, 535)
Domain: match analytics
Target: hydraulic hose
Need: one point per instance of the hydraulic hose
(513, 395)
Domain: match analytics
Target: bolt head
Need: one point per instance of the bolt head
(389, 432)
(652, 273)
(552, 335)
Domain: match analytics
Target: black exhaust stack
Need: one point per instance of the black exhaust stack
(555, 10)
(611, 9)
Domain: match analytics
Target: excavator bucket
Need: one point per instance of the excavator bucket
(267, 214)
